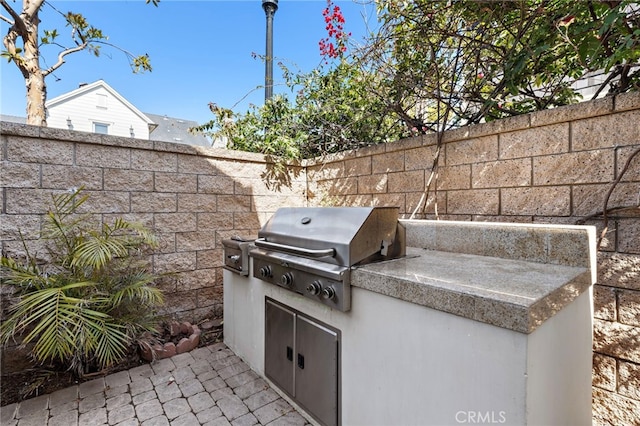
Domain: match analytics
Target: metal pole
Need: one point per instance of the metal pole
(270, 7)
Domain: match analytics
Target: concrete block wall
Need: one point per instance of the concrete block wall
(548, 167)
(193, 197)
(553, 166)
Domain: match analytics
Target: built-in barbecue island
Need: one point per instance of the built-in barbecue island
(448, 323)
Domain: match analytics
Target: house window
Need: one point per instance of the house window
(101, 128)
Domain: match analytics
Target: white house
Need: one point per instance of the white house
(98, 108)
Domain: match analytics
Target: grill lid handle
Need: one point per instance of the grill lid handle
(300, 251)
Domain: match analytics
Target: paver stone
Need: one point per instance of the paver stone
(191, 388)
(233, 369)
(168, 392)
(117, 379)
(209, 414)
(129, 422)
(144, 397)
(63, 396)
(250, 388)
(214, 384)
(68, 418)
(7, 413)
(200, 401)
(120, 414)
(118, 401)
(62, 408)
(90, 388)
(220, 421)
(149, 410)
(32, 406)
(246, 420)
(141, 372)
(261, 399)
(187, 419)
(157, 421)
(272, 411)
(94, 417)
(232, 407)
(176, 407)
(37, 418)
(140, 386)
(241, 379)
(292, 418)
(91, 402)
(163, 366)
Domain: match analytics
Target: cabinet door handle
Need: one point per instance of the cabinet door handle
(289, 353)
(300, 362)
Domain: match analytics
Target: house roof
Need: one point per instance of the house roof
(13, 119)
(170, 129)
(85, 88)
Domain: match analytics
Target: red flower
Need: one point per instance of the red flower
(334, 19)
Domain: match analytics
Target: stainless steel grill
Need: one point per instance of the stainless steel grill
(311, 250)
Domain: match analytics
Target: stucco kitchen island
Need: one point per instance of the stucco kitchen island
(479, 323)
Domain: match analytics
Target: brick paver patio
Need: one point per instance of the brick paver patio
(207, 386)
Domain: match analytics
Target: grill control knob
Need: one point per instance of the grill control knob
(328, 293)
(314, 288)
(265, 271)
(235, 259)
(287, 279)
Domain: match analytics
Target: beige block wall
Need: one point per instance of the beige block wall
(549, 167)
(192, 197)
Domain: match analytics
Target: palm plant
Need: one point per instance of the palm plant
(93, 295)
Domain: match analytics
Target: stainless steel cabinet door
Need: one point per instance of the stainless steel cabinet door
(316, 369)
(279, 346)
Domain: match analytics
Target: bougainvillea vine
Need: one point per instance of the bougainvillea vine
(335, 45)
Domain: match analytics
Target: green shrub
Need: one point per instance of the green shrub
(86, 304)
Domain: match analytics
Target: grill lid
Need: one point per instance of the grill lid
(339, 235)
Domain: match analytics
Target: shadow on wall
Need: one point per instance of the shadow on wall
(191, 197)
(278, 175)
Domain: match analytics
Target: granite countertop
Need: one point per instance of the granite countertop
(514, 294)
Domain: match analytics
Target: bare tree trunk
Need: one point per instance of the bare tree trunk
(34, 78)
(36, 97)
(25, 26)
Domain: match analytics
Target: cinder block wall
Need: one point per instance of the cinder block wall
(192, 197)
(552, 166)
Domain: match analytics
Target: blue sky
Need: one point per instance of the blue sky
(201, 51)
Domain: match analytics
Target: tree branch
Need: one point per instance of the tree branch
(34, 7)
(7, 20)
(16, 18)
(61, 56)
(605, 209)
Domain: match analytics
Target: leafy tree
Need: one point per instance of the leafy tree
(483, 60)
(84, 304)
(331, 112)
(334, 108)
(24, 40)
(433, 65)
(341, 110)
